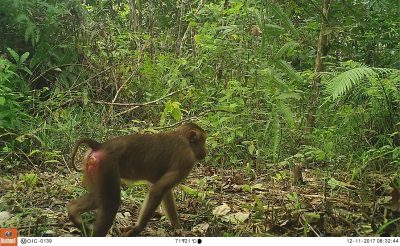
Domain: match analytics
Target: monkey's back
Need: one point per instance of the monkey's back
(148, 156)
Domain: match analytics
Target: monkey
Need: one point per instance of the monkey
(163, 159)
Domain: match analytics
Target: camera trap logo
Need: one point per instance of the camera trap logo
(8, 236)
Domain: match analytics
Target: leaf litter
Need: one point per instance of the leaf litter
(219, 202)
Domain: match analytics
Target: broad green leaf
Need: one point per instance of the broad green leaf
(258, 17)
(27, 70)
(251, 149)
(13, 54)
(289, 95)
(176, 113)
(287, 23)
(24, 57)
(28, 33)
(246, 188)
(289, 46)
(287, 113)
(289, 70)
(189, 191)
(34, 152)
(273, 29)
(312, 217)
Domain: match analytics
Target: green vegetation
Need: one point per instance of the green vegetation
(246, 71)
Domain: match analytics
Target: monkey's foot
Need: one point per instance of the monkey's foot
(131, 231)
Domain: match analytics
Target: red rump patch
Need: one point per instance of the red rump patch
(92, 161)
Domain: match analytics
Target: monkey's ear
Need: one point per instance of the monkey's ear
(194, 136)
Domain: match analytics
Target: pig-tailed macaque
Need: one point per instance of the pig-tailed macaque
(163, 159)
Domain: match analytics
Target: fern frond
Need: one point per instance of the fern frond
(386, 71)
(345, 81)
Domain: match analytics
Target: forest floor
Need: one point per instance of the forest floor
(217, 202)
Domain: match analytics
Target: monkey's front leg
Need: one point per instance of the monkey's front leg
(152, 201)
(169, 208)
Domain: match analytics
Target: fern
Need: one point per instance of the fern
(345, 81)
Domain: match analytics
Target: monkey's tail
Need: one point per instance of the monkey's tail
(93, 144)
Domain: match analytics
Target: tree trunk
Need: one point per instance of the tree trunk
(151, 28)
(133, 17)
(179, 42)
(321, 52)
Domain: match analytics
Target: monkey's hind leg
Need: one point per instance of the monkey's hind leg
(109, 199)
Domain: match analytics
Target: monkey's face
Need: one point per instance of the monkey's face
(199, 147)
(201, 154)
(197, 139)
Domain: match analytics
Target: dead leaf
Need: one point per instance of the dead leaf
(236, 218)
(221, 210)
(241, 216)
(201, 228)
(238, 179)
(4, 217)
(257, 187)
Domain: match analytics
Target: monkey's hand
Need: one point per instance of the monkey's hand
(131, 231)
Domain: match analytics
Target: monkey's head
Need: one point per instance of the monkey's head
(196, 137)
